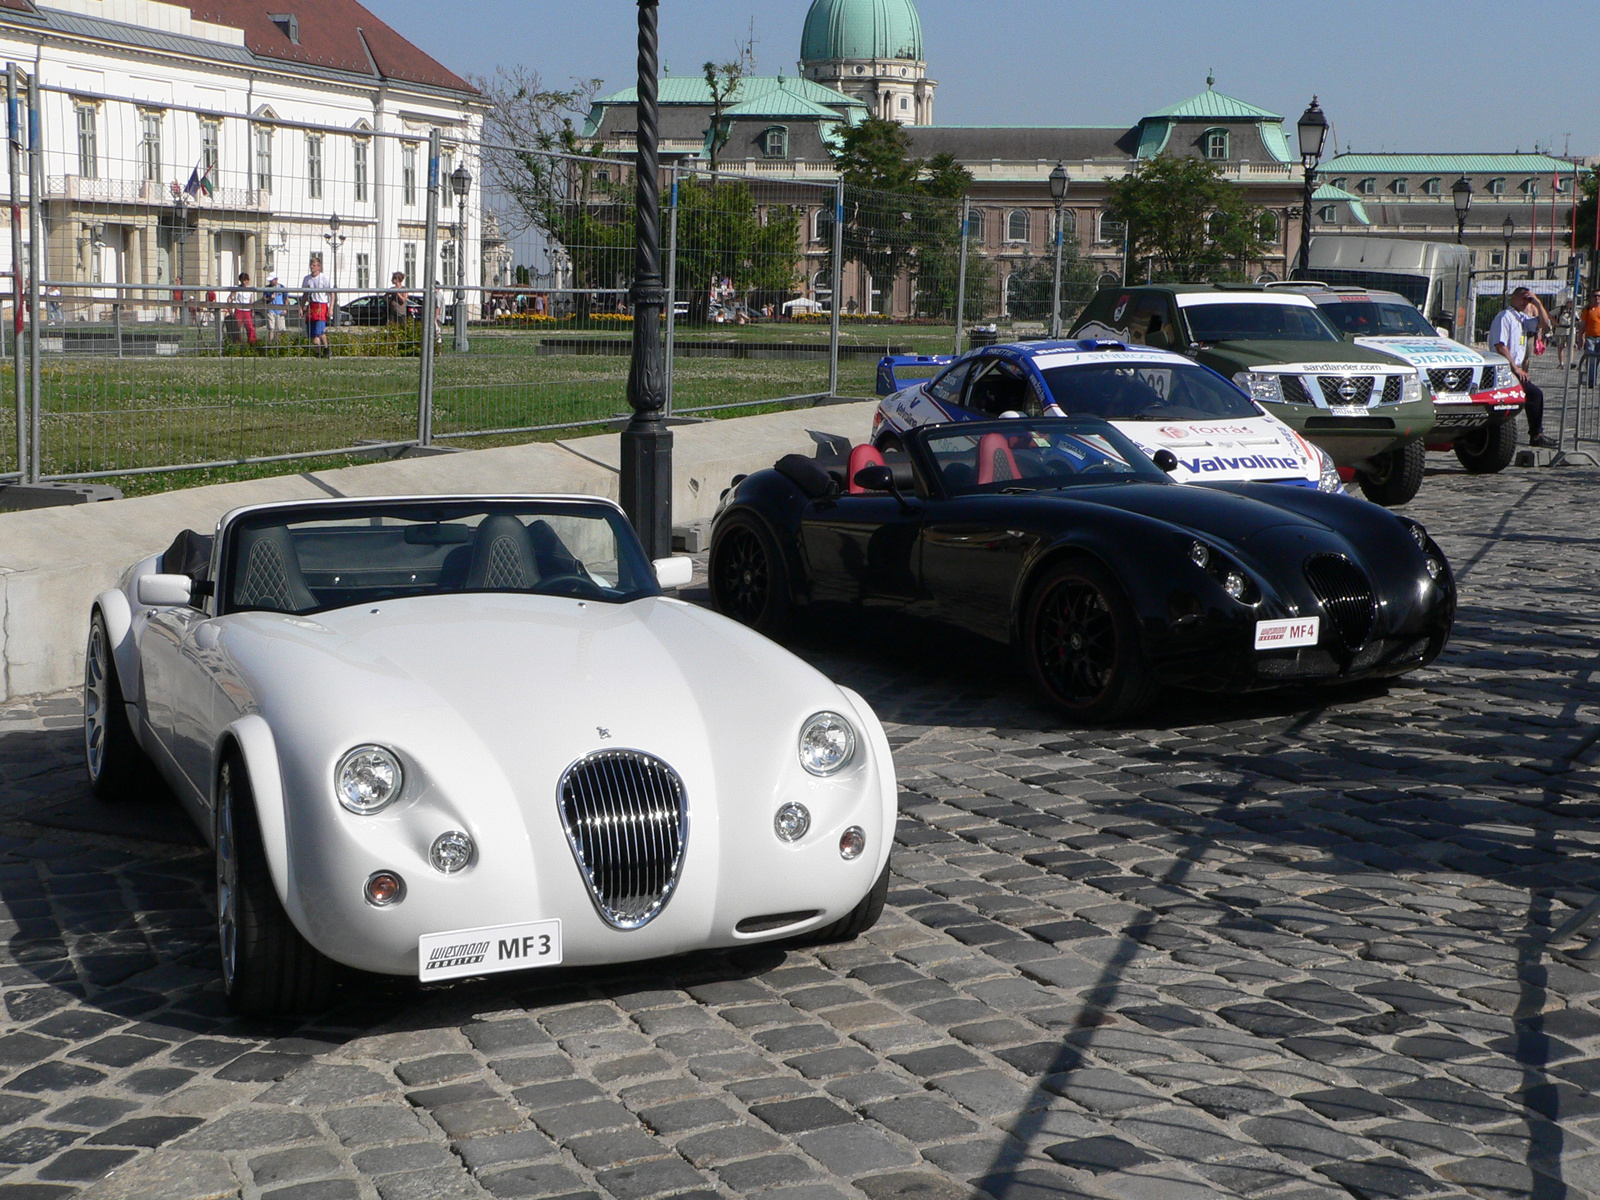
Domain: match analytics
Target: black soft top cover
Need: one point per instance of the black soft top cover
(189, 554)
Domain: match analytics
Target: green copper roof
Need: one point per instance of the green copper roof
(692, 89)
(1450, 164)
(1214, 106)
(1153, 137)
(781, 102)
(861, 29)
(1326, 192)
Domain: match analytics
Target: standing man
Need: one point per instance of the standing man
(397, 308)
(242, 299)
(1591, 338)
(318, 289)
(276, 300)
(1508, 337)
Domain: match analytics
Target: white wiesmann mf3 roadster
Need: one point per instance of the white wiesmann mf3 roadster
(453, 736)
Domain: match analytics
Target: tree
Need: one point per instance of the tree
(723, 234)
(1186, 218)
(1585, 226)
(724, 81)
(1030, 288)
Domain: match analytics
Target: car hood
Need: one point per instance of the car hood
(1425, 351)
(1225, 515)
(1293, 356)
(1216, 450)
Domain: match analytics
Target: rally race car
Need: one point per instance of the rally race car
(1475, 398)
(1158, 399)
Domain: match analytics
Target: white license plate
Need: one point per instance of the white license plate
(1284, 634)
(485, 951)
(1349, 410)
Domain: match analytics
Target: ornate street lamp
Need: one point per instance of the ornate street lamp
(1461, 197)
(647, 442)
(1509, 229)
(1313, 130)
(1058, 193)
(335, 239)
(461, 183)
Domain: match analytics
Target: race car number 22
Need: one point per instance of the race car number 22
(485, 951)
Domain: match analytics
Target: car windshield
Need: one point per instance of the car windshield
(1246, 322)
(1377, 318)
(318, 557)
(1146, 392)
(1029, 455)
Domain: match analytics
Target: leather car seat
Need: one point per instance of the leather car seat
(996, 463)
(267, 572)
(864, 455)
(503, 558)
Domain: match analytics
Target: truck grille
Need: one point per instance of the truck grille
(1345, 594)
(1486, 380)
(1450, 379)
(1392, 389)
(1345, 389)
(1294, 390)
(626, 819)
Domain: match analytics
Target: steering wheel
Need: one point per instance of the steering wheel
(1059, 468)
(570, 585)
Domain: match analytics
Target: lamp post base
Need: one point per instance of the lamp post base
(647, 483)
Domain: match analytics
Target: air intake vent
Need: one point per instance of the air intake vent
(1345, 594)
(626, 819)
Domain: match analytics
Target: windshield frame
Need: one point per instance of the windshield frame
(1248, 410)
(439, 508)
(1185, 310)
(932, 478)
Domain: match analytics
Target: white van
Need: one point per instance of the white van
(1432, 275)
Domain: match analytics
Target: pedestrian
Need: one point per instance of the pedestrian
(244, 318)
(397, 309)
(1591, 338)
(276, 301)
(1508, 337)
(318, 293)
(1563, 333)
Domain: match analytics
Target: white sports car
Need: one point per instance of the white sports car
(448, 736)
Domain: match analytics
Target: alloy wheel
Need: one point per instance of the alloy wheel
(1077, 641)
(227, 880)
(96, 701)
(744, 579)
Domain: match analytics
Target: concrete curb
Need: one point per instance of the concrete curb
(54, 561)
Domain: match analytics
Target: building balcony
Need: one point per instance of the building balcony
(82, 190)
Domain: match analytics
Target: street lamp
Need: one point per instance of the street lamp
(1313, 129)
(181, 236)
(1058, 193)
(1461, 197)
(1509, 228)
(461, 183)
(646, 482)
(335, 239)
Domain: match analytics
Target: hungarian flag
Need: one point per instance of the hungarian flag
(199, 182)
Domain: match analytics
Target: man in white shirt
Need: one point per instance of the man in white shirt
(1508, 337)
(318, 289)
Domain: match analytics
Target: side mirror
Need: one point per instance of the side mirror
(674, 572)
(1156, 339)
(164, 591)
(1165, 459)
(875, 479)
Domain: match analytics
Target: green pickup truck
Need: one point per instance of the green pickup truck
(1366, 408)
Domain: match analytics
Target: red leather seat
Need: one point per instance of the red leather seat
(996, 464)
(863, 455)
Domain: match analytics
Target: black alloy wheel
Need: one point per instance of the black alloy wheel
(748, 580)
(1083, 643)
(1394, 477)
(1489, 449)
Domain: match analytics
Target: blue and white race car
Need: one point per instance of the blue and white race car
(1160, 400)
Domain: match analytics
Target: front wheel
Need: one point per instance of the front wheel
(860, 918)
(1394, 477)
(749, 581)
(268, 969)
(1490, 449)
(118, 768)
(1083, 645)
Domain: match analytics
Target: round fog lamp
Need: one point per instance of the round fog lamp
(450, 852)
(385, 888)
(367, 779)
(791, 821)
(1234, 585)
(826, 743)
(1433, 567)
(852, 842)
(1200, 554)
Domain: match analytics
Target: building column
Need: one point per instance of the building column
(251, 263)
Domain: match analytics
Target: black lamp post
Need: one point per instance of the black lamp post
(461, 183)
(647, 442)
(1313, 130)
(1058, 193)
(1461, 197)
(1509, 228)
(335, 239)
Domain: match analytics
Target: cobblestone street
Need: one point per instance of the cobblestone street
(1298, 946)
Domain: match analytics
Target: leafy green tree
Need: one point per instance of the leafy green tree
(1031, 285)
(724, 234)
(1586, 215)
(1184, 217)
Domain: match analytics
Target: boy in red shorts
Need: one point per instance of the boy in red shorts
(318, 290)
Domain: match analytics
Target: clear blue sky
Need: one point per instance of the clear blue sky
(1413, 75)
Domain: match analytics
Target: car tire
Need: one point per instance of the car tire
(118, 768)
(860, 918)
(1487, 450)
(749, 579)
(268, 968)
(890, 443)
(1395, 476)
(1083, 645)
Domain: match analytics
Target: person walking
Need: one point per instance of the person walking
(242, 298)
(397, 309)
(1508, 337)
(1591, 339)
(318, 293)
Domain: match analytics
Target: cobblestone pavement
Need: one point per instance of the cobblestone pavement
(1296, 947)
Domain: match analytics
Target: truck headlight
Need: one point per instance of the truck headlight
(1503, 378)
(827, 742)
(1411, 389)
(1328, 479)
(1261, 386)
(367, 779)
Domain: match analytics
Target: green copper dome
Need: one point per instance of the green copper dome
(861, 29)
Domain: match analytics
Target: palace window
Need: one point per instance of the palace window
(150, 147)
(88, 141)
(1402, 187)
(314, 166)
(975, 226)
(1216, 143)
(408, 176)
(447, 164)
(1497, 187)
(360, 148)
(363, 269)
(1267, 227)
(210, 149)
(408, 264)
(1019, 226)
(1111, 229)
(264, 158)
(1433, 187)
(775, 142)
(1368, 187)
(1328, 214)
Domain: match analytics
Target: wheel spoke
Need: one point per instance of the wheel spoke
(1077, 641)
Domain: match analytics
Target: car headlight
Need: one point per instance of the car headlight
(1328, 478)
(1411, 389)
(827, 742)
(368, 778)
(451, 852)
(1199, 554)
(1503, 377)
(1419, 535)
(1261, 386)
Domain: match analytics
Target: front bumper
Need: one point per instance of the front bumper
(1354, 439)
(1457, 413)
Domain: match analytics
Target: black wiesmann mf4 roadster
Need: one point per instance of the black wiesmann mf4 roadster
(1059, 537)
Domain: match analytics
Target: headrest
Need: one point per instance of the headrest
(808, 475)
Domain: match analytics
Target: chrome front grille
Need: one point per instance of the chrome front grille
(1345, 389)
(626, 817)
(1450, 379)
(1345, 594)
(1486, 380)
(1393, 389)
(1294, 390)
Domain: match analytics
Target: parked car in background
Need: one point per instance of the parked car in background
(1366, 408)
(374, 310)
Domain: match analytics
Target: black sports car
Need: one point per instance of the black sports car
(1060, 537)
